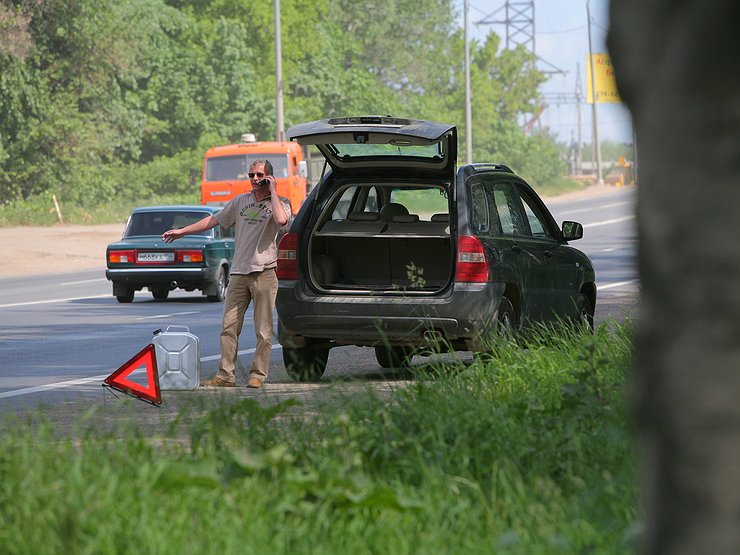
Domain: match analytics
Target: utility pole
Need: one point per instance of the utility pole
(597, 145)
(579, 99)
(279, 120)
(468, 107)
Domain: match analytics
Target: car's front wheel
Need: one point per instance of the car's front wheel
(585, 311)
(389, 356)
(306, 364)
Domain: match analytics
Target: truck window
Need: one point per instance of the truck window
(235, 167)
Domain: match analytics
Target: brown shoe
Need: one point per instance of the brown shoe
(217, 382)
(254, 382)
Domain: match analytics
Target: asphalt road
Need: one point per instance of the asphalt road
(62, 334)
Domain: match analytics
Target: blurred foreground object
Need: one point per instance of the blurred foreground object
(674, 64)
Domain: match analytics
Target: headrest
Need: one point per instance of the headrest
(363, 216)
(440, 217)
(408, 219)
(393, 209)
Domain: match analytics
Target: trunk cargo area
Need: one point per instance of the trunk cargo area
(384, 258)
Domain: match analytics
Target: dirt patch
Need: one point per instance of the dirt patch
(60, 248)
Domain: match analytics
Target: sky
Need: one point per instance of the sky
(561, 40)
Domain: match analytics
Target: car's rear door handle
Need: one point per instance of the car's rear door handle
(517, 249)
(548, 254)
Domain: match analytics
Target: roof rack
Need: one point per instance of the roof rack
(488, 166)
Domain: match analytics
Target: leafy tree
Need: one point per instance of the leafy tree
(111, 98)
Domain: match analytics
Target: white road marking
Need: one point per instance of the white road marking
(616, 284)
(608, 222)
(166, 315)
(99, 378)
(591, 209)
(51, 301)
(83, 281)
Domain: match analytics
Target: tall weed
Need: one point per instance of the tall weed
(522, 451)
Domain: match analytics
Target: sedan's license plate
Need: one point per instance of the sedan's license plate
(155, 257)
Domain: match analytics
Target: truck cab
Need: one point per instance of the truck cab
(225, 170)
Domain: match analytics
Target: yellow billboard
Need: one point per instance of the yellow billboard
(605, 82)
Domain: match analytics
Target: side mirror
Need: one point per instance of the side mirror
(303, 169)
(571, 231)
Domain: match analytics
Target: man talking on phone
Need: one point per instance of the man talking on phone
(257, 217)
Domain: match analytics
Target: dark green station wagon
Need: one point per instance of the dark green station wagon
(398, 248)
(141, 259)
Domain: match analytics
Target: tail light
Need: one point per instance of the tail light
(472, 265)
(121, 257)
(189, 256)
(287, 257)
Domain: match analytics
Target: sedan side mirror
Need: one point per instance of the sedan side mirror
(571, 231)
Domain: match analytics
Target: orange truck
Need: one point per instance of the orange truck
(225, 170)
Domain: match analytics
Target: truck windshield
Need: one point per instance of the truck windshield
(235, 167)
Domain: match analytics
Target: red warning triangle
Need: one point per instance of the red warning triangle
(119, 379)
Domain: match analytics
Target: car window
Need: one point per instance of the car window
(342, 207)
(497, 209)
(535, 219)
(371, 204)
(156, 223)
(480, 210)
(423, 202)
(226, 232)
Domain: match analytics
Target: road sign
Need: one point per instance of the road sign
(604, 80)
(119, 381)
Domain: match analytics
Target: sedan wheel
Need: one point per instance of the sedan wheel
(222, 282)
(306, 364)
(160, 294)
(127, 296)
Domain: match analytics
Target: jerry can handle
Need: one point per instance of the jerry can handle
(157, 332)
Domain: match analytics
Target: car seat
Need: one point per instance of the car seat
(393, 209)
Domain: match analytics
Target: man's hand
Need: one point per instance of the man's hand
(172, 234)
(271, 183)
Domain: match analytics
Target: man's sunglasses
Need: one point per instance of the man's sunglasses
(258, 174)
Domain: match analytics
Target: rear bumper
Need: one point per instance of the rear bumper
(459, 316)
(142, 277)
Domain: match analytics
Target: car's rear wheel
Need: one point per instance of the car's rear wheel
(160, 294)
(222, 282)
(389, 356)
(306, 364)
(126, 295)
(585, 311)
(506, 319)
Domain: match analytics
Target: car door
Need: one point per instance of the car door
(557, 271)
(498, 221)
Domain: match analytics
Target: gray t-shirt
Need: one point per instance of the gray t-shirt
(255, 232)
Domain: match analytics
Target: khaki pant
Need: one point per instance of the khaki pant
(260, 287)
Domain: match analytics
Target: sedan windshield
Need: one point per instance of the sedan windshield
(156, 223)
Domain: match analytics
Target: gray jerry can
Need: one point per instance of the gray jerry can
(178, 358)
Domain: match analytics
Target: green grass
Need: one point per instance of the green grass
(525, 451)
(40, 210)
